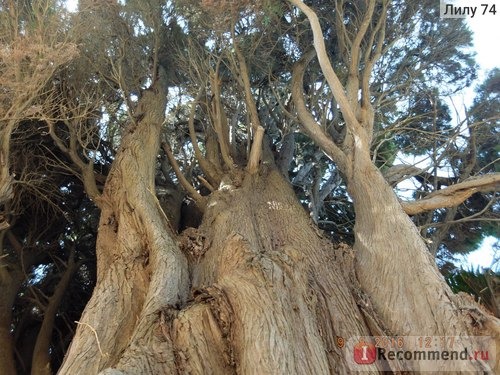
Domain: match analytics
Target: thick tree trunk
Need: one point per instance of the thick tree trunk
(270, 296)
(140, 269)
(395, 268)
(268, 293)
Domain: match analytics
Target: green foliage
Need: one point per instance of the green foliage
(475, 283)
(485, 117)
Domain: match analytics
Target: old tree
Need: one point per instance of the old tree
(226, 173)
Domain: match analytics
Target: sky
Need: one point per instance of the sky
(486, 29)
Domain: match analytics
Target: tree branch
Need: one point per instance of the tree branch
(200, 200)
(400, 172)
(326, 66)
(370, 60)
(245, 78)
(86, 169)
(208, 168)
(311, 127)
(256, 151)
(454, 194)
(41, 352)
(219, 118)
(353, 82)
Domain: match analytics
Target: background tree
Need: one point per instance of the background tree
(33, 49)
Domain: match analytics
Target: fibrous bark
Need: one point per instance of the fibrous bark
(140, 269)
(393, 264)
(276, 300)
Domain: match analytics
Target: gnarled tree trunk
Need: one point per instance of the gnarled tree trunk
(396, 270)
(393, 264)
(267, 291)
(140, 268)
(270, 295)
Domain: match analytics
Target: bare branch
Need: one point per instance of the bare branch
(454, 194)
(326, 66)
(210, 170)
(200, 200)
(245, 79)
(86, 169)
(370, 60)
(256, 151)
(311, 127)
(397, 173)
(353, 82)
(219, 117)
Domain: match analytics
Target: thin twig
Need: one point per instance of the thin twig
(95, 334)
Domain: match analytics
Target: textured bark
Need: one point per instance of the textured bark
(270, 296)
(6, 179)
(395, 268)
(140, 269)
(268, 293)
(454, 195)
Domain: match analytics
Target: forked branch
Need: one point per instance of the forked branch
(311, 127)
(326, 67)
(86, 169)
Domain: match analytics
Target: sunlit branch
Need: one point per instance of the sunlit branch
(245, 79)
(353, 81)
(219, 117)
(311, 127)
(326, 66)
(453, 195)
(206, 184)
(370, 60)
(256, 151)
